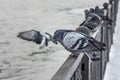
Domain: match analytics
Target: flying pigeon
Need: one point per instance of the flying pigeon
(76, 42)
(37, 37)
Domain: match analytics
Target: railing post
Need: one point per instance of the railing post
(85, 68)
(101, 62)
(111, 15)
(114, 10)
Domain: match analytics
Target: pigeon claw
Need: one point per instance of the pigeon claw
(96, 59)
(73, 55)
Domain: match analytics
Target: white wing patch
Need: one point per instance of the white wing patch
(42, 45)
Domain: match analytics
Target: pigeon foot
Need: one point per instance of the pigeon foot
(73, 55)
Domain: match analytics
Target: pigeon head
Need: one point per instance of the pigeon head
(97, 9)
(105, 5)
(87, 12)
(58, 35)
(92, 10)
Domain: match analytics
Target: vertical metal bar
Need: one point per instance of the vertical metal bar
(101, 76)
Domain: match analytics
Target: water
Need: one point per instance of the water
(22, 60)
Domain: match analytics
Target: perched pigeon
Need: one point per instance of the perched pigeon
(76, 42)
(83, 29)
(98, 10)
(105, 5)
(92, 10)
(37, 37)
(87, 13)
(103, 13)
(92, 21)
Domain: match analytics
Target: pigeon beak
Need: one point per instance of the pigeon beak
(18, 35)
(55, 40)
(54, 37)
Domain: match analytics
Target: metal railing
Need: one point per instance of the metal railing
(81, 67)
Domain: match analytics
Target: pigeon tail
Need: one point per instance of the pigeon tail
(99, 46)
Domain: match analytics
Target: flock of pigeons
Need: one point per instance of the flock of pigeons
(74, 41)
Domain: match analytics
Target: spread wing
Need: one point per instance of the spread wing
(31, 35)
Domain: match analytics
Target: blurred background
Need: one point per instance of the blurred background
(22, 60)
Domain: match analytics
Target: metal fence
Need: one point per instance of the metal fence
(81, 67)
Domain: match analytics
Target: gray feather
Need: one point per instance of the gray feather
(31, 35)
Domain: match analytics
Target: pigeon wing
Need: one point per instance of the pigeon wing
(31, 35)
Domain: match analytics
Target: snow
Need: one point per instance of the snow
(113, 67)
(22, 60)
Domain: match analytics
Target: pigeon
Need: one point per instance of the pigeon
(99, 11)
(37, 37)
(105, 5)
(76, 42)
(83, 29)
(103, 12)
(96, 18)
(92, 21)
(92, 10)
(87, 13)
